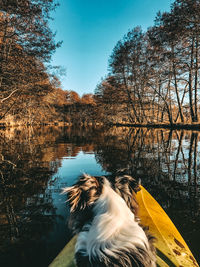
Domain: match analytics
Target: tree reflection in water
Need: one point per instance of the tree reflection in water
(32, 231)
(26, 211)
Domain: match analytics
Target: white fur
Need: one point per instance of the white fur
(113, 228)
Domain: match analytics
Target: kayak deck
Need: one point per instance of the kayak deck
(171, 248)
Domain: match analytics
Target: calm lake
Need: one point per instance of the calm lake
(36, 163)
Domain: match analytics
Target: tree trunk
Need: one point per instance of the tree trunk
(190, 82)
(196, 80)
(176, 88)
(130, 101)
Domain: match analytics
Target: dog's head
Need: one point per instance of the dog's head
(88, 189)
(84, 193)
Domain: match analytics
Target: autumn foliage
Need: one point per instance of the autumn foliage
(153, 76)
(156, 72)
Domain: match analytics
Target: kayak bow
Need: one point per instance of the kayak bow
(171, 248)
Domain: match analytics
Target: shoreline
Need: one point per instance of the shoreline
(176, 126)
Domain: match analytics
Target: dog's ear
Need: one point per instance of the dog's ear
(84, 193)
(127, 187)
(74, 195)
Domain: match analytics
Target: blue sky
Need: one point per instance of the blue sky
(90, 29)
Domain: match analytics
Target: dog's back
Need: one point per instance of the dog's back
(112, 237)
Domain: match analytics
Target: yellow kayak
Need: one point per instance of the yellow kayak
(172, 251)
(171, 248)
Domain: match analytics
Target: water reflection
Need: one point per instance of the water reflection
(36, 163)
(167, 155)
(27, 213)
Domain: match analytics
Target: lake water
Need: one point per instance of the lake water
(36, 163)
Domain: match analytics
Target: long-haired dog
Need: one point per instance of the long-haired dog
(104, 214)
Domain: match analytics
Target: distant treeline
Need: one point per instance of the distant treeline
(154, 76)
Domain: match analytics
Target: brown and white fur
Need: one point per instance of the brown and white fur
(103, 213)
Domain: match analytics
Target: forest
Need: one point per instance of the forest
(29, 85)
(153, 76)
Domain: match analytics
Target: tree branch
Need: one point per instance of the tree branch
(4, 99)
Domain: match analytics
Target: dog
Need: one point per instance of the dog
(104, 215)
